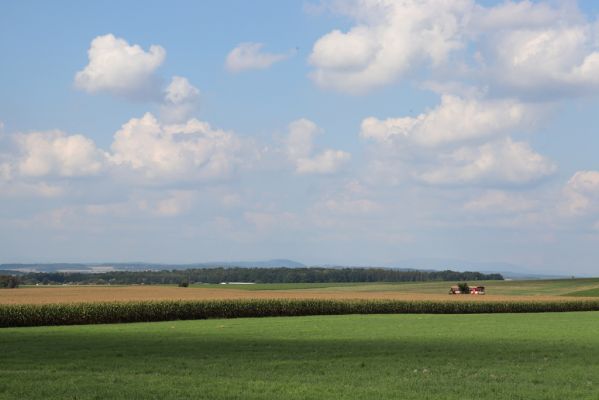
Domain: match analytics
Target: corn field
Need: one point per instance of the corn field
(16, 315)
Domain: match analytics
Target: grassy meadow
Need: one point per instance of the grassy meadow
(498, 356)
(548, 287)
(545, 287)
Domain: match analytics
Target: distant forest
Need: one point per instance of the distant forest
(255, 275)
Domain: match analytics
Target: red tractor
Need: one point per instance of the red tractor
(465, 289)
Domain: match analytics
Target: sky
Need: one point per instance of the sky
(328, 132)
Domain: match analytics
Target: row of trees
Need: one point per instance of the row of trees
(8, 282)
(256, 275)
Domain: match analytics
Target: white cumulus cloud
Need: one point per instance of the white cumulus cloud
(555, 59)
(250, 56)
(522, 48)
(462, 141)
(181, 91)
(581, 194)
(181, 99)
(390, 38)
(117, 67)
(454, 120)
(327, 162)
(300, 150)
(59, 154)
(177, 152)
(503, 162)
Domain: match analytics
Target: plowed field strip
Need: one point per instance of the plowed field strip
(79, 294)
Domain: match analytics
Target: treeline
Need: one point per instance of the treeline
(8, 282)
(254, 275)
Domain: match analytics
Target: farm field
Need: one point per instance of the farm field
(498, 356)
(533, 290)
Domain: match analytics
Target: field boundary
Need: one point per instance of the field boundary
(21, 315)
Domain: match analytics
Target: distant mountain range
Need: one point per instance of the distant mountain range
(509, 271)
(140, 266)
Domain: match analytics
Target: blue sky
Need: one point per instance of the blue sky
(357, 133)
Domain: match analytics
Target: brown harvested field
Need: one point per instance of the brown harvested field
(76, 294)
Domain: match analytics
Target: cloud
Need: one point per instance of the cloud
(352, 198)
(178, 152)
(119, 68)
(581, 194)
(351, 206)
(503, 162)
(327, 162)
(455, 120)
(265, 221)
(534, 49)
(300, 138)
(390, 38)
(39, 164)
(145, 203)
(249, 55)
(5, 171)
(54, 153)
(181, 91)
(519, 48)
(550, 59)
(145, 151)
(510, 15)
(181, 99)
(12, 188)
(494, 202)
(176, 203)
(462, 141)
(300, 150)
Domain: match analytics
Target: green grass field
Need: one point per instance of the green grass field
(585, 293)
(499, 356)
